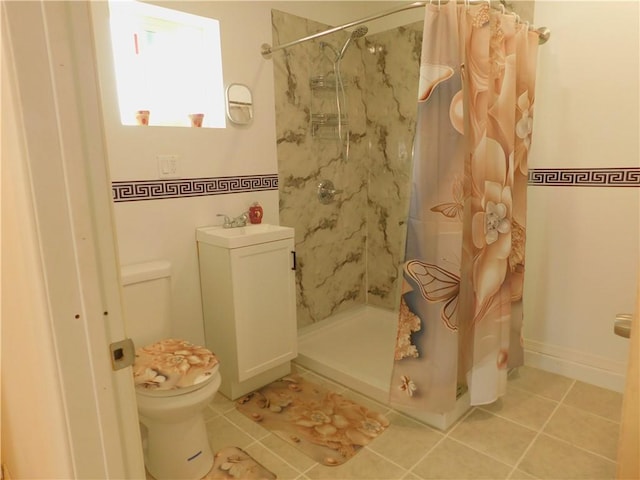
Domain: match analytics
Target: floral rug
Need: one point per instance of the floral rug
(234, 463)
(323, 424)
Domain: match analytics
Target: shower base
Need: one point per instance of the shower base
(355, 349)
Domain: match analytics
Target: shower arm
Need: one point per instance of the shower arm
(267, 50)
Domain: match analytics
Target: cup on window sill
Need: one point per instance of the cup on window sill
(196, 119)
(142, 117)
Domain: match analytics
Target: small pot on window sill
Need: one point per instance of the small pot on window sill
(142, 117)
(196, 119)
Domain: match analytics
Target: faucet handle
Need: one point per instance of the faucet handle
(227, 220)
(240, 220)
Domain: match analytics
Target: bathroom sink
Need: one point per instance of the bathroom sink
(242, 236)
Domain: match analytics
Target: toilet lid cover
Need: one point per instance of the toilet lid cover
(171, 364)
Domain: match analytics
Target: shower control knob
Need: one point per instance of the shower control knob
(327, 192)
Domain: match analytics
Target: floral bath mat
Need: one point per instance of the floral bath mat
(323, 424)
(233, 463)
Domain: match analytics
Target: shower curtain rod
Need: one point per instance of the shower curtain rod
(267, 50)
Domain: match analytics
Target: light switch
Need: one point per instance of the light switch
(168, 166)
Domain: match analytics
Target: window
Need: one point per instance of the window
(166, 62)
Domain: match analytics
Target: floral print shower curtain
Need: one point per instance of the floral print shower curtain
(460, 315)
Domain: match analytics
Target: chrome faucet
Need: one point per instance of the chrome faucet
(227, 221)
(239, 221)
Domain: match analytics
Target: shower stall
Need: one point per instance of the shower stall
(349, 239)
(346, 111)
(345, 117)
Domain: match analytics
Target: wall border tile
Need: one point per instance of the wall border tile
(585, 177)
(136, 190)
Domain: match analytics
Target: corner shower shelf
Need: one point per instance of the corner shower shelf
(324, 82)
(321, 82)
(326, 125)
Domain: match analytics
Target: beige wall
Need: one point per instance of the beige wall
(582, 245)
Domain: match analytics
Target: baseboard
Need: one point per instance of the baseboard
(587, 368)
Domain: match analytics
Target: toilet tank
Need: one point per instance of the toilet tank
(146, 299)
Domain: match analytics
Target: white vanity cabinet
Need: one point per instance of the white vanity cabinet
(247, 281)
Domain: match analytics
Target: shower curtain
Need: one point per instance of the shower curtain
(460, 315)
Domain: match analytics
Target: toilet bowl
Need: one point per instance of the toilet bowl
(176, 443)
(174, 379)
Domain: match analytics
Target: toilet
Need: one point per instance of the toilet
(174, 380)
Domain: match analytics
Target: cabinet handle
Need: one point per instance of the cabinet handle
(293, 254)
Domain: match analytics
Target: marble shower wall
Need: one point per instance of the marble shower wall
(392, 66)
(349, 250)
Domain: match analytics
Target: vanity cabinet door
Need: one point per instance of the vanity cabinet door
(263, 283)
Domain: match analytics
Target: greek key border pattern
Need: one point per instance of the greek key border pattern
(585, 177)
(136, 190)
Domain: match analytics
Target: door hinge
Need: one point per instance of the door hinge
(123, 354)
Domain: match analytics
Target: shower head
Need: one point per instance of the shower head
(360, 32)
(357, 33)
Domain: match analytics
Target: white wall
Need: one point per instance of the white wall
(582, 245)
(165, 229)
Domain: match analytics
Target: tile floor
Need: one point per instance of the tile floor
(546, 427)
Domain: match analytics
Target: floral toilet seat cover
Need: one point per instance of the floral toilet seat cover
(172, 364)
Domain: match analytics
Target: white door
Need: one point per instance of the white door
(57, 135)
(629, 443)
